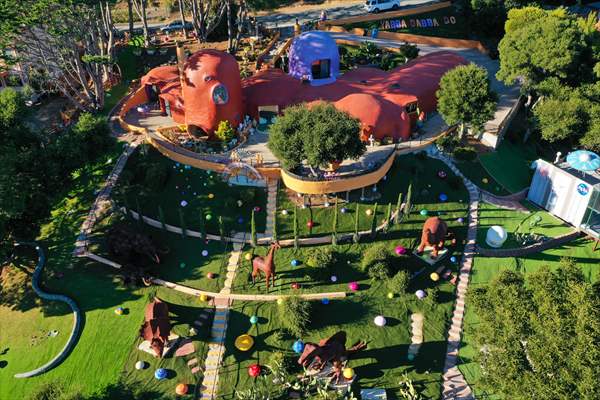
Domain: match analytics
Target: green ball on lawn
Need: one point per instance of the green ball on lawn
(390, 295)
(208, 217)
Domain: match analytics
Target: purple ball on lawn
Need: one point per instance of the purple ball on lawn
(460, 220)
(240, 220)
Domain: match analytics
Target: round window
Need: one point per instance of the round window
(220, 95)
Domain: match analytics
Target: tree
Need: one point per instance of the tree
(334, 224)
(540, 335)
(465, 97)
(356, 236)
(295, 227)
(140, 7)
(559, 119)
(234, 32)
(374, 222)
(398, 209)
(206, 16)
(319, 136)
(408, 203)
(274, 225)
(253, 240)
(539, 44)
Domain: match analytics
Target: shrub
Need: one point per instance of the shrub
(421, 156)
(447, 142)
(399, 282)
(93, 133)
(224, 131)
(379, 270)
(157, 174)
(466, 153)
(454, 182)
(374, 254)
(321, 257)
(295, 315)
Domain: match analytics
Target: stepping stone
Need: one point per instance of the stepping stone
(192, 362)
(195, 370)
(198, 323)
(185, 349)
(203, 316)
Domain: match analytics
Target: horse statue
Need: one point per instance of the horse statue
(265, 264)
(434, 234)
(156, 327)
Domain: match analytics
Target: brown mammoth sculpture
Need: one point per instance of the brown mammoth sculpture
(435, 233)
(156, 327)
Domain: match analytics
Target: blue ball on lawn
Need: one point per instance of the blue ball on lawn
(253, 319)
(294, 262)
(443, 197)
(298, 346)
(325, 301)
(240, 220)
(160, 374)
(453, 259)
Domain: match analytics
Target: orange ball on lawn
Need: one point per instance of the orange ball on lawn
(181, 389)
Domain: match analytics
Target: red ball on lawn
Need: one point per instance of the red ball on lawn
(310, 224)
(295, 285)
(210, 275)
(254, 370)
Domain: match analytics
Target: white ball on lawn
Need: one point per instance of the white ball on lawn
(380, 320)
(204, 253)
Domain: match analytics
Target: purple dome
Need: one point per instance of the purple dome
(314, 56)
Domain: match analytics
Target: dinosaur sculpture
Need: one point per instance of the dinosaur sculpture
(265, 264)
(156, 327)
(435, 233)
(332, 351)
(131, 247)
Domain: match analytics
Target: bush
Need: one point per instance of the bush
(157, 175)
(421, 156)
(374, 254)
(447, 142)
(295, 315)
(454, 182)
(466, 153)
(92, 133)
(321, 257)
(379, 271)
(399, 282)
(224, 131)
(247, 196)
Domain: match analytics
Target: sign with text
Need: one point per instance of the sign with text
(407, 23)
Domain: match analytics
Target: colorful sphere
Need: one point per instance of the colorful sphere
(160, 374)
(310, 224)
(460, 220)
(424, 212)
(485, 180)
(210, 275)
(420, 294)
(442, 174)
(333, 278)
(443, 197)
(353, 286)
(183, 203)
(119, 310)
(411, 357)
(211, 196)
(369, 211)
(208, 217)
(348, 373)
(240, 203)
(294, 263)
(182, 265)
(280, 301)
(453, 259)
(203, 297)
(380, 320)
(390, 295)
(204, 253)
(325, 300)
(400, 250)
(256, 209)
(326, 204)
(295, 285)
(248, 256)
(254, 320)
(284, 212)
(434, 276)
(344, 210)
(298, 346)
(140, 365)
(254, 370)
(240, 220)
(181, 389)
(244, 342)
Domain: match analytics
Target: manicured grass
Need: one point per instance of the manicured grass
(380, 365)
(538, 221)
(422, 172)
(195, 187)
(485, 269)
(480, 177)
(510, 165)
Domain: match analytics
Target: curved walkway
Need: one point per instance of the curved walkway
(531, 249)
(77, 318)
(454, 385)
(510, 202)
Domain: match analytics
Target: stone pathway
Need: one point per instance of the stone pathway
(271, 207)
(454, 384)
(216, 345)
(511, 202)
(417, 335)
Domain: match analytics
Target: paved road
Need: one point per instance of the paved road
(304, 14)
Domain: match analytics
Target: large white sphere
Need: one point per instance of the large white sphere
(140, 365)
(496, 236)
(380, 320)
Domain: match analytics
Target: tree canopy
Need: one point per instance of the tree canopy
(318, 135)
(465, 97)
(539, 337)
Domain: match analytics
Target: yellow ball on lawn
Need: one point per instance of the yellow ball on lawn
(248, 256)
(210, 195)
(279, 301)
(369, 212)
(203, 297)
(390, 295)
(485, 180)
(348, 373)
(434, 276)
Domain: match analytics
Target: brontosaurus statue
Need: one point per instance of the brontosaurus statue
(435, 233)
(265, 264)
(156, 327)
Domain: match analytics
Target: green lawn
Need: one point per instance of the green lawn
(538, 221)
(481, 177)
(510, 165)
(205, 193)
(422, 172)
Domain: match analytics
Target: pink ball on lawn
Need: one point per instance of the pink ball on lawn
(353, 286)
(310, 224)
(400, 250)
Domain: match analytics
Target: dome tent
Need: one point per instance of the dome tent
(314, 55)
